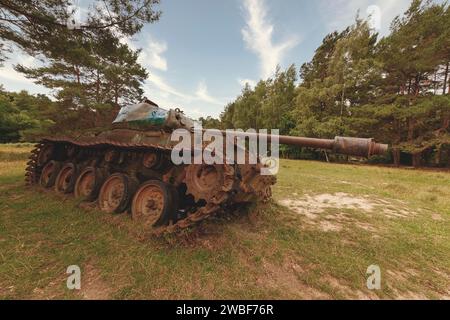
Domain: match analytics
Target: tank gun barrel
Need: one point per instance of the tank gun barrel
(360, 147)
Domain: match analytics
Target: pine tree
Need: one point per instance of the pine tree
(317, 69)
(44, 26)
(412, 57)
(328, 104)
(88, 67)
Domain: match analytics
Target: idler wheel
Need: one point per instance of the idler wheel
(67, 176)
(116, 193)
(45, 154)
(209, 182)
(154, 203)
(88, 183)
(49, 174)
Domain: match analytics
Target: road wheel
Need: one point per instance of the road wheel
(154, 203)
(67, 176)
(88, 183)
(49, 174)
(116, 193)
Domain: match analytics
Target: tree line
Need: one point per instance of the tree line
(394, 88)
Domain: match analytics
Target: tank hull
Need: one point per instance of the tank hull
(113, 170)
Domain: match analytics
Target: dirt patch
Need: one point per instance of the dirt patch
(51, 291)
(315, 207)
(312, 205)
(328, 226)
(92, 285)
(6, 291)
(286, 280)
(408, 295)
(399, 276)
(346, 291)
(437, 217)
(407, 276)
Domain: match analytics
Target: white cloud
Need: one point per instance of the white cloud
(192, 105)
(243, 82)
(152, 55)
(169, 96)
(8, 73)
(257, 35)
(15, 81)
(152, 52)
(162, 85)
(202, 94)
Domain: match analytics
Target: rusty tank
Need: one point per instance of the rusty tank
(129, 169)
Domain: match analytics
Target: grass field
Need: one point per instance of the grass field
(315, 240)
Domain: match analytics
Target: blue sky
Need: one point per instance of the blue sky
(201, 52)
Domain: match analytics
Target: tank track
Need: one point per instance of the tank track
(242, 183)
(31, 171)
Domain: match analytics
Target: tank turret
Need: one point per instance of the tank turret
(148, 114)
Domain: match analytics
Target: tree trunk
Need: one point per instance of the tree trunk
(342, 100)
(398, 131)
(397, 139)
(417, 159)
(447, 156)
(438, 156)
(434, 83)
(446, 79)
(396, 156)
(446, 122)
(411, 127)
(96, 118)
(77, 73)
(97, 88)
(417, 85)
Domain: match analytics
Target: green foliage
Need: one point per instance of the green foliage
(326, 106)
(265, 106)
(210, 123)
(23, 116)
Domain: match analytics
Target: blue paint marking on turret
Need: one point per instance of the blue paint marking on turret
(142, 113)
